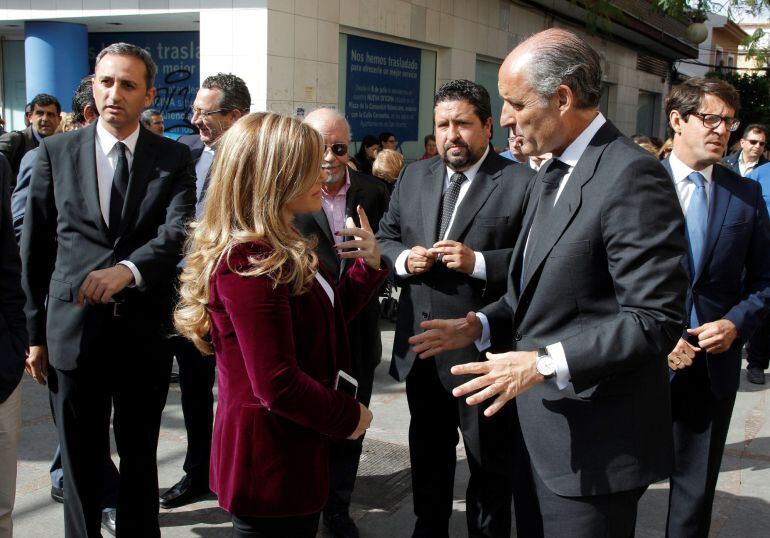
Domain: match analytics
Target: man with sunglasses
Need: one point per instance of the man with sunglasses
(344, 190)
(751, 154)
(728, 236)
(221, 100)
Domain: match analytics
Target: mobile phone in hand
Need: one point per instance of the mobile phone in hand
(346, 383)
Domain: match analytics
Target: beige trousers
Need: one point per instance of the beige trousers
(10, 431)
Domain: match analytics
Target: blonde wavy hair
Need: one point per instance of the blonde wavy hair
(262, 162)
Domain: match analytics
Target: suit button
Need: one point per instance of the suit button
(517, 336)
(424, 315)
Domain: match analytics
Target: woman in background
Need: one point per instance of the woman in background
(387, 166)
(366, 154)
(252, 292)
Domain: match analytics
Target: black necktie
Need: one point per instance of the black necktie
(118, 191)
(449, 201)
(551, 181)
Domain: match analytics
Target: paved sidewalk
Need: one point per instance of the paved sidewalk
(383, 503)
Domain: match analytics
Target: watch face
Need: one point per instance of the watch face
(546, 366)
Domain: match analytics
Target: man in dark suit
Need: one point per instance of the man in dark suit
(103, 232)
(595, 299)
(221, 100)
(449, 233)
(44, 119)
(729, 245)
(13, 345)
(343, 191)
(751, 155)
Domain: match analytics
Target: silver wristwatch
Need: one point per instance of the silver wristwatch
(545, 364)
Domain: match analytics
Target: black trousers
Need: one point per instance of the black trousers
(493, 447)
(130, 376)
(759, 347)
(611, 516)
(344, 455)
(196, 382)
(701, 421)
(275, 527)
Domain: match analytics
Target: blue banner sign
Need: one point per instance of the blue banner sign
(383, 88)
(177, 55)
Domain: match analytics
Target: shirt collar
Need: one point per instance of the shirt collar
(470, 173)
(37, 135)
(680, 171)
(107, 141)
(575, 150)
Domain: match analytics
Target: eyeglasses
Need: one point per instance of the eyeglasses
(755, 142)
(339, 149)
(712, 121)
(207, 113)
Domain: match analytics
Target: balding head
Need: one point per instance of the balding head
(328, 119)
(554, 57)
(335, 131)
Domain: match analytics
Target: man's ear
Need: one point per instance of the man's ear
(675, 120)
(90, 115)
(564, 97)
(238, 114)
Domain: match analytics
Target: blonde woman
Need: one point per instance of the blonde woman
(387, 166)
(252, 291)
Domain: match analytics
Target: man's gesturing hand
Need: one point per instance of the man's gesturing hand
(100, 285)
(504, 375)
(716, 336)
(445, 334)
(455, 256)
(37, 363)
(364, 244)
(682, 355)
(419, 260)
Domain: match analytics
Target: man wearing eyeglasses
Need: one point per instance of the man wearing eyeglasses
(343, 191)
(221, 100)
(728, 236)
(751, 154)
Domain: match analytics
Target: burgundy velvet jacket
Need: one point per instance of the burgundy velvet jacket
(277, 357)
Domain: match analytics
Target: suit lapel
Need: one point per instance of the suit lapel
(85, 164)
(543, 241)
(141, 168)
(431, 202)
(479, 191)
(720, 199)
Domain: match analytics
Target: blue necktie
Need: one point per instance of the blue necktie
(697, 224)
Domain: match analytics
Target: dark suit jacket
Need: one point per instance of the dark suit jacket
(487, 220)
(13, 324)
(65, 237)
(20, 192)
(608, 283)
(193, 141)
(277, 356)
(372, 195)
(15, 145)
(733, 280)
(732, 160)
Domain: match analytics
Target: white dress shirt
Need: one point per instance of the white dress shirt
(326, 286)
(570, 156)
(480, 266)
(106, 161)
(202, 170)
(684, 187)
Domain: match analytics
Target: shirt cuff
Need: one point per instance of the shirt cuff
(138, 280)
(483, 341)
(556, 351)
(480, 267)
(400, 264)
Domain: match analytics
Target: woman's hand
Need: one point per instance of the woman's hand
(363, 245)
(363, 422)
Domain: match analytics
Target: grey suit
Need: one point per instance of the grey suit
(487, 220)
(606, 279)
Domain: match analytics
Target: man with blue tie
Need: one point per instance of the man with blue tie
(728, 236)
(221, 100)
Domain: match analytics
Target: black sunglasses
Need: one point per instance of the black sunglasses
(339, 149)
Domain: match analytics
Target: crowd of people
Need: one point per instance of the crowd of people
(574, 308)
